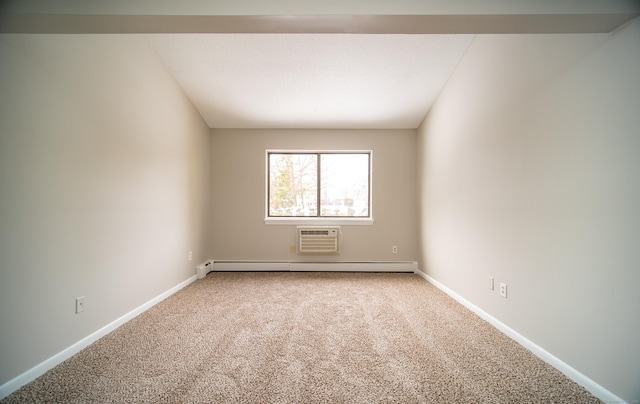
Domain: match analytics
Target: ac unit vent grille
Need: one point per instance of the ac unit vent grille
(314, 232)
(314, 240)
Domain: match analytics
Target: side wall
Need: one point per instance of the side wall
(528, 172)
(104, 179)
(238, 194)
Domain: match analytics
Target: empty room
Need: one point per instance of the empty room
(235, 201)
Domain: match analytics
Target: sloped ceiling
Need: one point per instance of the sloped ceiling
(311, 80)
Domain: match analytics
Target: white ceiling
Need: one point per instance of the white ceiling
(311, 80)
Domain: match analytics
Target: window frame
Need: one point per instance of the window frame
(318, 220)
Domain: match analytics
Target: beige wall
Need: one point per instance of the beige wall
(528, 172)
(238, 194)
(103, 173)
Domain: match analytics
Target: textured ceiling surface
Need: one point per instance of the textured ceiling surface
(311, 80)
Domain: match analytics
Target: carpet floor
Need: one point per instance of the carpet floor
(288, 337)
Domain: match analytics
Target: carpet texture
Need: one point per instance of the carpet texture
(305, 338)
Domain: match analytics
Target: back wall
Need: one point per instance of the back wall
(238, 191)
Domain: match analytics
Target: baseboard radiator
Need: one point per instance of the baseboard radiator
(326, 266)
(203, 269)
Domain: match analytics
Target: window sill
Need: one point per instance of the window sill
(308, 221)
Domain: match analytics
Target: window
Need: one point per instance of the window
(335, 184)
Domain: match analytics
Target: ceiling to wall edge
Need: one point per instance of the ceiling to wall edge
(315, 24)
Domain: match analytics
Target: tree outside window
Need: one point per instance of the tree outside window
(319, 184)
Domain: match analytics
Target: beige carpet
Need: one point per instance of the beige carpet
(305, 338)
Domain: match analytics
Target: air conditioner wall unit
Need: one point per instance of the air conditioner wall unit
(319, 239)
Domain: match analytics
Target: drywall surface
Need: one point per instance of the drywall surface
(528, 172)
(103, 171)
(238, 189)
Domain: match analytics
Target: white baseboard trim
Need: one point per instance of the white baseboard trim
(333, 266)
(593, 387)
(40, 369)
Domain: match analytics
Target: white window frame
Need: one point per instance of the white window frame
(320, 221)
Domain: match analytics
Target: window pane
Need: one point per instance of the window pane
(293, 185)
(344, 185)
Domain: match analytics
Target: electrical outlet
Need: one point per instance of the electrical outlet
(80, 304)
(190, 255)
(503, 290)
(490, 283)
(394, 249)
